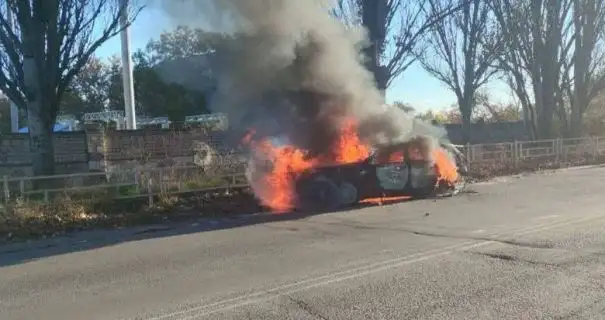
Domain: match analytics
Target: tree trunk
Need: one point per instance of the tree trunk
(586, 21)
(40, 119)
(549, 84)
(466, 127)
(576, 123)
(545, 123)
(465, 107)
(529, 119)
(374, 19)
(382, 78)
(40, 140)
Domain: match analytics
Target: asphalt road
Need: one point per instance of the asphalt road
(517, 248)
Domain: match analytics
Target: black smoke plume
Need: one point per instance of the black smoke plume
(290, 69)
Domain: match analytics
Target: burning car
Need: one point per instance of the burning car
(409, 170)
(285, 178)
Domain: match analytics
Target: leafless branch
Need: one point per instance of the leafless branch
(395, 29)
(458, 53)
(415, 22)
(60, 34)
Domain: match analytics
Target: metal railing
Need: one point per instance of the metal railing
(122, 184)
(149, 182)
(552, 149)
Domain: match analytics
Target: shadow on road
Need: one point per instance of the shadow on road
(22, 252)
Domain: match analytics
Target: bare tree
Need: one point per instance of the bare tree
(457, 53)
(534, 55)
(513, 60)
(405, 107)
(395, 28)
(491, 111)
(347, 12)
(45, 43)
(587, 78)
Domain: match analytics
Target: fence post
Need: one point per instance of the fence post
(22, 188)
(149, 193)
(161, 178)
(468, 154)
(516, 153)
(137, 180)
(5, 189)
(595, 148)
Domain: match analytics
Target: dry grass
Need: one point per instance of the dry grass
(22, 219)
(487, 170)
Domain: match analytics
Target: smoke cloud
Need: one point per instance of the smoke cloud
(291, 69)
(293, 73)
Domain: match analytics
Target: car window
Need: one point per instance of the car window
(385, 157)
(395, 157)
(415, 154)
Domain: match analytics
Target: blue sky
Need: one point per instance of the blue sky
(415, 86)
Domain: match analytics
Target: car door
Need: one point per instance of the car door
(392, 172)
(421, 175)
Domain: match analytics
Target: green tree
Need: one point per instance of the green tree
(115, 90)
(183, 42)
(182, 92)
(88, 92)
(154, 96)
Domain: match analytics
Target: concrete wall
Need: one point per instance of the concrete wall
(70, 154)
(103, 150)
(110, 150)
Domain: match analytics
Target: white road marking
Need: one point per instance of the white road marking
(552, 216)
(355, 272)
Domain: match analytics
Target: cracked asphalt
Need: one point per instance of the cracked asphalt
(527, 247)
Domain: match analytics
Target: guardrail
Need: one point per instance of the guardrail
(150, 182)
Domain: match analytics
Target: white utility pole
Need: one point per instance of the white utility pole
(127, 81)
(14, 108)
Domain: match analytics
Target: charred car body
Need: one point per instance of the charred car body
(390, 171)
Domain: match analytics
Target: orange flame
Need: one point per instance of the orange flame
(286, 162)
(445, 168)
(349, 148)
(289, 161)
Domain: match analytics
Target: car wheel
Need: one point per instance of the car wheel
(348, 194)
(320, 194)
(424, 192)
